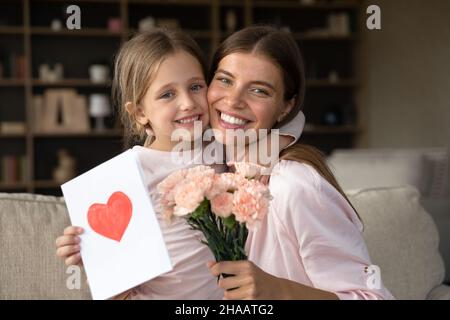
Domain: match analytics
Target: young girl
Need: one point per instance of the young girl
(159, 83)
(310, 245)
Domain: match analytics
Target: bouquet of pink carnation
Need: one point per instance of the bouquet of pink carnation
(221, 205)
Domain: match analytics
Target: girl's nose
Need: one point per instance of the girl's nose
(186, 102)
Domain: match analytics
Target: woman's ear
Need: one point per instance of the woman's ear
(136, 113)
(287, 108)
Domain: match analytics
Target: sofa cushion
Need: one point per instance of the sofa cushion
(402, 240)
(29, 269)
(361, 169)
(440, 293)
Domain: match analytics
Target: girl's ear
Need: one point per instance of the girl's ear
(287, 108)
(136, 113)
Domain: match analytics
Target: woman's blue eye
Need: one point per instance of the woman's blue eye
(224, 80)
(260, 91)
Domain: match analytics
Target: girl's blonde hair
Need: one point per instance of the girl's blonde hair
(281, 48)
(136, 63)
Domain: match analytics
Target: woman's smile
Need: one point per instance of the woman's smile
(247, 92)
(229, 120)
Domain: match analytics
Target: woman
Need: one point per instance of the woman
(310, 245)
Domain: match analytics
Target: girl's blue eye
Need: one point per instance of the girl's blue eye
(196, 87)
(167, 95)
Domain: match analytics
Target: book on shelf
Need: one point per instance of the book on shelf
(13, 169)
(12, 127)
(12, 65)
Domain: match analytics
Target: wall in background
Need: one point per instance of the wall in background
(406, 75)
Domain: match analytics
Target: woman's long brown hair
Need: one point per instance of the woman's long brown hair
(281, 48)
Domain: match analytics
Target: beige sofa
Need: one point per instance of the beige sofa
(401, 237)
(427, 169)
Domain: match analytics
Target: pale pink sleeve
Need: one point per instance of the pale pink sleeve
(328, 233)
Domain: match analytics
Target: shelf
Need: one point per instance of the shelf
(82, 1)
(87, 32)
(11, 30)
(12, 135)
(172, 2)
(13, 186)
(12, 82)
(234, 3)
(224, 34)
(70, 83)
(302, 36)
(315, 129)
(323, 83)
(343, 5)
(47, 184)
(199, 34)
(105, 134)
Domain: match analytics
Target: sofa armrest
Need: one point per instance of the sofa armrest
(441, 292)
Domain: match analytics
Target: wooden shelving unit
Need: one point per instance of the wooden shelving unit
(319, 6)
(14, 187)
(25, 28)
(308, 37)
(12, 30)
(87, 32)
(70, 83)
(12, 82)
(102, 134)
(46, 184)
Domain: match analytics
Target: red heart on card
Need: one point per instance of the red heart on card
(111, 220)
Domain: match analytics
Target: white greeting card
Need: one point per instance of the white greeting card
(122, 245)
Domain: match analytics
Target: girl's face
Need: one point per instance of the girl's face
(247, 92)
(175, 99)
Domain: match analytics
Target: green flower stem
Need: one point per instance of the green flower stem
(224, 236)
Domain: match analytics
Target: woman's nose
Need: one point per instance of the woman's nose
(233, 99)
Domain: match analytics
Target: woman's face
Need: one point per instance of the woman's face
(247, 92)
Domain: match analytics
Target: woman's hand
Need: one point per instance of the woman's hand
(251, 154)
(68, 246)
(248, 282)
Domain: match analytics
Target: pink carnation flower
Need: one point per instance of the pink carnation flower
(188, 196)
(190, 191)
(224, 182)
(249, 170)
(171, 181)
(222, 205)
(251, 203)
